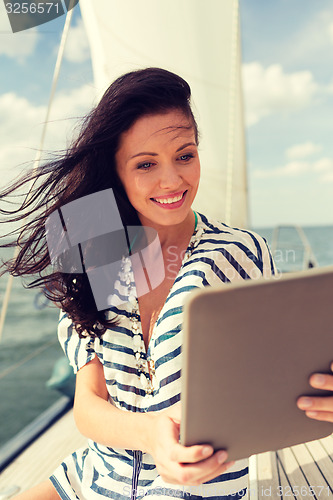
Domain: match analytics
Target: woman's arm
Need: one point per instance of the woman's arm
(99, 420)
(154, 433)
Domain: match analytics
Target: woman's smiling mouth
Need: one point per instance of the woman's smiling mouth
(169, 202)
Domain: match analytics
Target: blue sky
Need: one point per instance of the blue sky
(288, 83)
(287, 48)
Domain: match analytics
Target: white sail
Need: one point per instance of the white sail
(200, 41)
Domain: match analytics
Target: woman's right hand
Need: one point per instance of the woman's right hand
(156, 433)
(177, 464)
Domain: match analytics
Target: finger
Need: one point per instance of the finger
(191, 454)
(320, 415)
(213, 467)
(322, 381)
(316, 403)
(201, 472)
(222, 469)
(184, 473)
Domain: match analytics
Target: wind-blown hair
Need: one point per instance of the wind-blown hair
(88, 166)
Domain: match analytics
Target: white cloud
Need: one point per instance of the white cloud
(67, 110)
(18, 133)
(271, 90)
(73, 102)
(322, 170)
(302, 150)
(291, 169)
(327, 177)
(330, 31)
(15, 111)
(329, 88)
(21, 125)
(77, 46)
(16, 45)
(324, 165)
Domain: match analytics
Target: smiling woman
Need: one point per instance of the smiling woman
(160, 184)
(139, 144)
(88, 167)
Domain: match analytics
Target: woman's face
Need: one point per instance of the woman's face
(158, 165)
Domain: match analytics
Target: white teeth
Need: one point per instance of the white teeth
(169, 200)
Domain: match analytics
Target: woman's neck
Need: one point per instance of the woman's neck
(177, 235)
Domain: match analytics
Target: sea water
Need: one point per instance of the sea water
(28, 350)
(29, 347)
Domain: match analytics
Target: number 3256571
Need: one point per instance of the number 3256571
(31, 8)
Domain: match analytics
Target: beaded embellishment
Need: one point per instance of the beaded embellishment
(145, 365)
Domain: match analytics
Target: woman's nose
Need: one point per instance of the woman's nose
(170, 177)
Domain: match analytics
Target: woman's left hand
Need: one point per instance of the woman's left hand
(319, 407)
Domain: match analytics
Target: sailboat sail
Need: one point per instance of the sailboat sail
(200, 41)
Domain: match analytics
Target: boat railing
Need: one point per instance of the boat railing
(292, 255)
(45, 419)
(18, 443)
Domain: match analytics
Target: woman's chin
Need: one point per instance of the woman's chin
(167, 218)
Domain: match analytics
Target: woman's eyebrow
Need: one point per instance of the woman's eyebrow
(186, 145)
(143, 153)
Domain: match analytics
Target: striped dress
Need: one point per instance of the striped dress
(217, 253)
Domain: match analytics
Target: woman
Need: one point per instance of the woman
(141, 142)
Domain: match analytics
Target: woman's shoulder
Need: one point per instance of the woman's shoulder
(215, 231)
(243, 248)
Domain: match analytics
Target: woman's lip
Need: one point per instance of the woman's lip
(170, 206)
(172, 195)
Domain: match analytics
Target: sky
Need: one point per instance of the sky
(287, 61)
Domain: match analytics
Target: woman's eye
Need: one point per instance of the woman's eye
(186, 157)
(145, 166)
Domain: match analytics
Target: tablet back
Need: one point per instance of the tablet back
(248, 352)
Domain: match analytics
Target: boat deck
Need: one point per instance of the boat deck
(42, 457)
(302, 472)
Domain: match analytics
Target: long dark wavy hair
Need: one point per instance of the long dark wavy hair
(86, 167)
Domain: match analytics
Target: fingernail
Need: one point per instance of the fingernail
(318, 380)
(311, 413)
(207, 450)
(221, 457)
(305, 403)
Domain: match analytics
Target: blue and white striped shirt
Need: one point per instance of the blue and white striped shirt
(220, 254)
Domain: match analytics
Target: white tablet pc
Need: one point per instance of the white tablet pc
(248, 352)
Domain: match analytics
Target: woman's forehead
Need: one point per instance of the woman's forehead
(166, 127)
